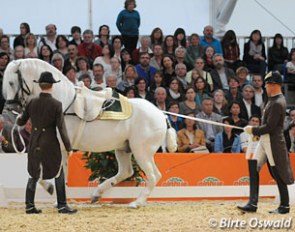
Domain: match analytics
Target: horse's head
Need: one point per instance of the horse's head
(15, 89)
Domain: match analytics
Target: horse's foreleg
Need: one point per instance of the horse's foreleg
(125, 171)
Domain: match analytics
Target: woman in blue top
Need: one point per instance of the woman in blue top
(128, 22)
(227, 141)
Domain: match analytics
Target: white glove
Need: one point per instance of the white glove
(248, 130)
(70, 153)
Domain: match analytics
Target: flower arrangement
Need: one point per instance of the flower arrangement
(104, 165)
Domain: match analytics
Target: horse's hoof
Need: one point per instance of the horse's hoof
(94, 199)
(133, 205)
(50, 189)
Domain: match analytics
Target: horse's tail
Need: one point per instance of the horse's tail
(171, 138)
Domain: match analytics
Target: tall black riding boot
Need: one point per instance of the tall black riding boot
(61, 195)
(284, 194)
(30, 197)
(251, 206)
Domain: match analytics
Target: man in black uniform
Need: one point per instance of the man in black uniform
(271, 147)
(44, 154)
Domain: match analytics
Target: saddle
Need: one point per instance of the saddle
(92, 105)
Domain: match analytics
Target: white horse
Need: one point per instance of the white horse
(141, 134)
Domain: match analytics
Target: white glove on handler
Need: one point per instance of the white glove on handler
(70, 153)
(248, 130)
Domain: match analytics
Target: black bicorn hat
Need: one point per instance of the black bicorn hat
(273, 78)
(46, 77)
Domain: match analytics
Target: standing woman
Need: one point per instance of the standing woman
(128, 22)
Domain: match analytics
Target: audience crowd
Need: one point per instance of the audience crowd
(197, 75)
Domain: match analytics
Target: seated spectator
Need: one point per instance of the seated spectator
(161, 101)
(199, 67)
(145, 44)
(277, 54)
(98, 77)
(180, 37)
(156, 82)
(189, 104)
(174, 92)
(19, 52)
(76, 35)
(144, 69)
(208, 58)
(105, 59)
(20, 39)
(180, 55)
(248, 108)
(168, 64)
(227, 141)
(190, 137)
(290, 118)
(103, 36)
(57, 61)
(116, 68)
(141, 90)
(5, 46)
(220, 105)
(201, 90)
(83, 66)
(130, 75)
(209, 129)
(117, 44)
(88, 48)
(86, 80)
(220, 74)
(156, 37)
(125, 59)
(234, 93)
(242, 74)
(45, 53)
(234, 113)
(31, 50)
(289, 135)
(180, 70)
(254, 121)
(62, 44)
(111, 81)
(231, 50)
(169, 45)
(130, 92)
(194, 50)
(209, 40)
(290, 67)
(254, 53)
(157, 57)
(72, 56)
(71, 74)
(175, 121)
(260, 95)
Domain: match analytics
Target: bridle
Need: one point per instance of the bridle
(23, 89)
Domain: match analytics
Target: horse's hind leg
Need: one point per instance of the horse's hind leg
(146, 162)
(125, 171)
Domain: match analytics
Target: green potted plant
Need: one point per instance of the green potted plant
(104, 165)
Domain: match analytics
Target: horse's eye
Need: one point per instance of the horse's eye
(10, 83)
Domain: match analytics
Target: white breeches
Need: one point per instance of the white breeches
(263, 152)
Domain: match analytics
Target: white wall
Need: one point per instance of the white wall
(192, 15)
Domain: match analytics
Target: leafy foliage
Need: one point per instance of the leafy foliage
(104, 165)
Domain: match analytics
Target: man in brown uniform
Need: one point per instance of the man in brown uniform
(271, 147)
(44, 154)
